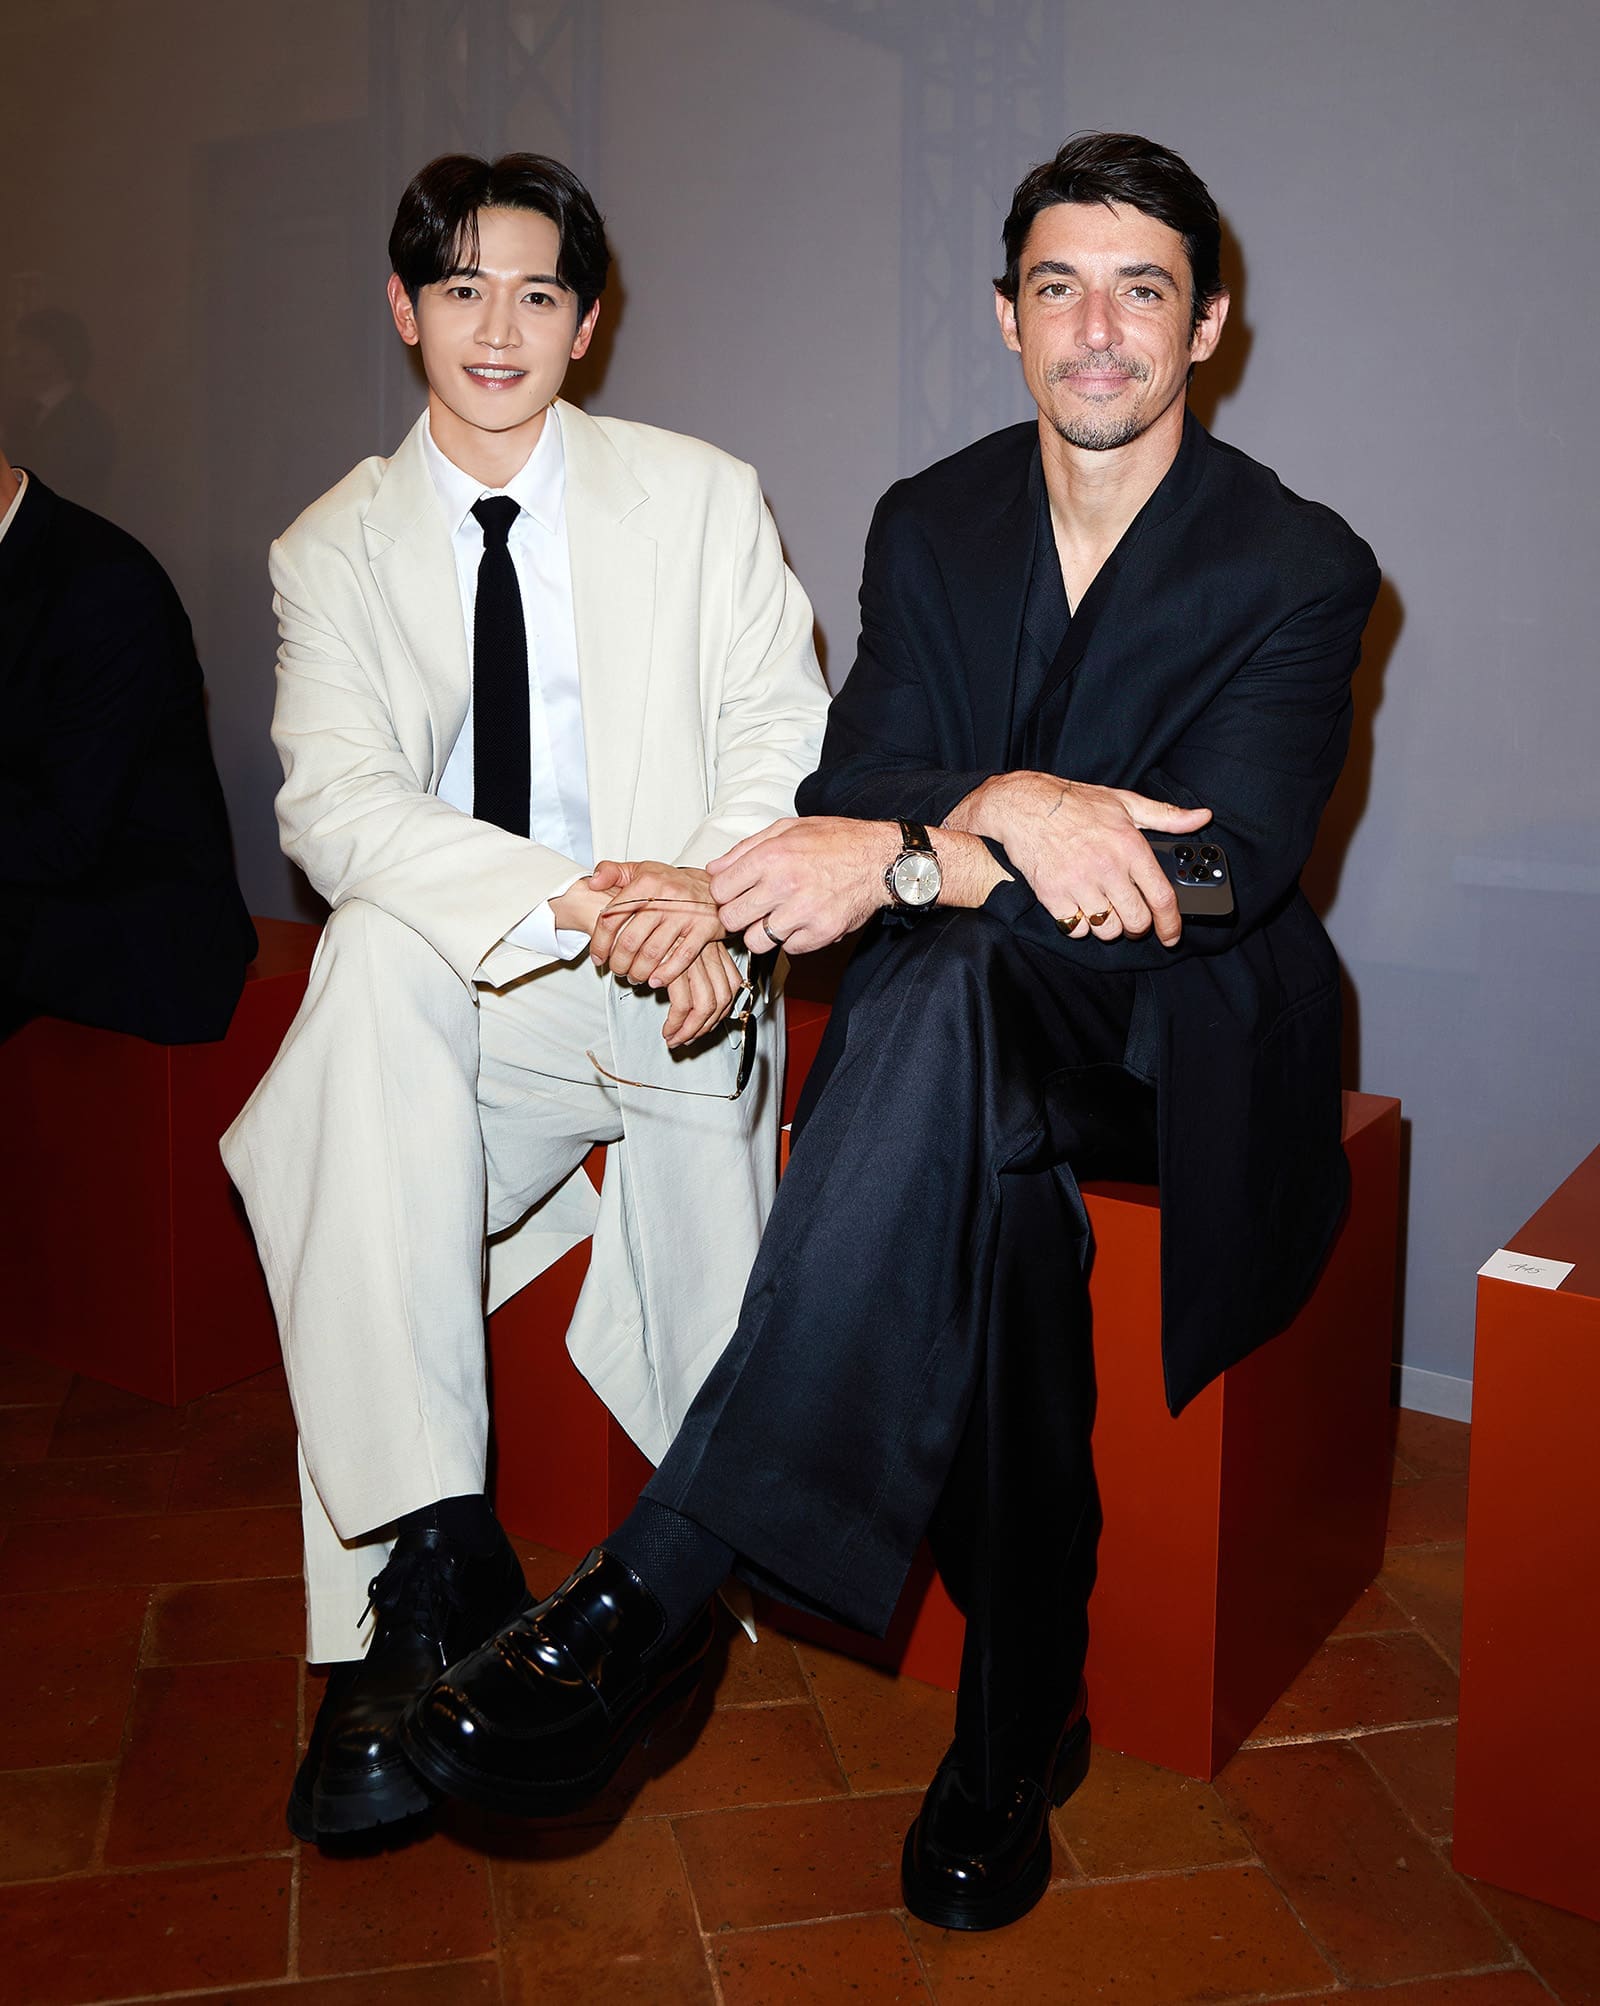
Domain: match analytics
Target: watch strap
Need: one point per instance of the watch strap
(915, 842)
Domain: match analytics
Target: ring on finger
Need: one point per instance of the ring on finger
(1099, 918)
(1066, 925)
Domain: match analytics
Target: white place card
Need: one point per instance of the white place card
(1504, 1265)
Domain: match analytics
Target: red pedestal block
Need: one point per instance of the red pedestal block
(1237, 1535)
(126, 1252)
(1527, 1771)
(561, 1470)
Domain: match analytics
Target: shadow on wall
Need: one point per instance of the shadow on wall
(49, 422)
(1342, 816)
(1219, 378)
(1349, 801)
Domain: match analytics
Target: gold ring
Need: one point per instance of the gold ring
(1099, 918)
(1066, 925)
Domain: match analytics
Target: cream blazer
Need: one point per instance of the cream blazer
(703, 709)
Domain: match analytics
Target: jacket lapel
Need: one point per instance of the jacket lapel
(408, 547)
(984, 553)
(1139, 547)
(613, 607)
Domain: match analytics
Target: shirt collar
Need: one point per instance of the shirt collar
(10, 515)
(538, 486)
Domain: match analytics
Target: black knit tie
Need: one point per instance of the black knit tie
(500, 762)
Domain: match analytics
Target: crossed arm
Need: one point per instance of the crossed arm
(1078, 847)
(818, 878)
(1062, 861)
(1260, 759)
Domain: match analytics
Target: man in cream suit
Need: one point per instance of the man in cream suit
(531, 640)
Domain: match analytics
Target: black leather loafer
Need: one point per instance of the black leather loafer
(971, 1864)
(538, 1720)
(434, 1601)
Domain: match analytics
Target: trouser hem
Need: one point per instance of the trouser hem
(865, 1600)
(332, 1632)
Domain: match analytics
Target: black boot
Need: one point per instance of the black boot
(978, 1853)
(435, 1601)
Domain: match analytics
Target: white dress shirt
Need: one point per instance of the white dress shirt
(558, 805)
(10, 515)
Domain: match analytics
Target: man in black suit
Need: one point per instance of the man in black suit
(118, 903)
(1073, 632)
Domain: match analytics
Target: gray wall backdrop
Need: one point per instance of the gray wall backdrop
(805, 198)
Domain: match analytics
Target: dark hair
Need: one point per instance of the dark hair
(65, 336)
(1121, 167)
(436, 226)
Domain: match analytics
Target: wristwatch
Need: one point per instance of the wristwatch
(914, 878)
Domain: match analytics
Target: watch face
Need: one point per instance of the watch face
(917, 879)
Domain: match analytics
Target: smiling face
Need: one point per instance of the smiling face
(496, 339)
(1102, 323)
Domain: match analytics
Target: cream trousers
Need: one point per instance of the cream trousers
(398, 1126)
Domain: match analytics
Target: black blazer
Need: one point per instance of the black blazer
(1209, 664)
(118, 903)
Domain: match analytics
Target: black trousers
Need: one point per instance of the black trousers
(913, 1355)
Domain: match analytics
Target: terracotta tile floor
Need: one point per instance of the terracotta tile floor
(151, 1619)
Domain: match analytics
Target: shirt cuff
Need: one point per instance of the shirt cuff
(539, 934)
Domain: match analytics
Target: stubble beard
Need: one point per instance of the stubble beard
(1091, 432)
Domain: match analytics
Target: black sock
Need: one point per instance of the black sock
(681, 1563)
(465, 1519)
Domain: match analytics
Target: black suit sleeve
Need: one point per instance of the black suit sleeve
(880, 755)
(108, 664)
(1263, 756)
